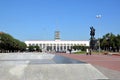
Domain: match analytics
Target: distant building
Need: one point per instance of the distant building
(56, 45)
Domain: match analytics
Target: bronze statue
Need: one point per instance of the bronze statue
(92, 38)
(92, 32)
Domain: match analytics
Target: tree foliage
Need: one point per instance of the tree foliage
(78, 47)
(34, 48)
(10, 44)
(110, 42)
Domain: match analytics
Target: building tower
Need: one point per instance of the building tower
(57, 35)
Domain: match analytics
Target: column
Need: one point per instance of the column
(59, 47)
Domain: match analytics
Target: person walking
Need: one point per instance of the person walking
(90, 52)
(87, 51)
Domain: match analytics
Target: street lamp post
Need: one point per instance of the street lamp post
(98, 17)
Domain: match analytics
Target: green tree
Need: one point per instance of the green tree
(110, 42)
(10, 44)
(78, 47)
(117, 40)
(38, 49)
(31, 48)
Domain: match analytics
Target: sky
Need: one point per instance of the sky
(39, 19)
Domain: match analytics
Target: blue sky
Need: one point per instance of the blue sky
(38, 19)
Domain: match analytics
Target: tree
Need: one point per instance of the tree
(78, 47)
(10, 44)
(31, 48)
(117, 42)
(34, 48)
(110, 42)
(38, 48)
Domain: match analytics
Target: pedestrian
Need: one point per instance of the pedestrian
(90, 52)
(70, 51)
(87, 51)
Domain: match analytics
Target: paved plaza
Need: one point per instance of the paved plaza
(109, 65)
(43, 66)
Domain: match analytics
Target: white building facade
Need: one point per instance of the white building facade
(56, 45)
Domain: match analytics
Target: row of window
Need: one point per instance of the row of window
(57, 44)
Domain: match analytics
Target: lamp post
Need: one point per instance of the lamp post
(98, 17)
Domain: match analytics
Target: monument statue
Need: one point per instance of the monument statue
(92, 32)
(92, 38)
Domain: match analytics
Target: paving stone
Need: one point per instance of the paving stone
(36, 66)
